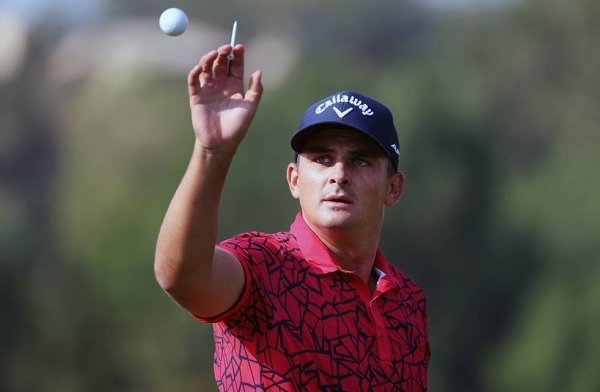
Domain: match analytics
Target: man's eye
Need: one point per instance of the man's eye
(361, 162)
(321, 159)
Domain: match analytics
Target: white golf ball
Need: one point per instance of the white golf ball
(173, 22)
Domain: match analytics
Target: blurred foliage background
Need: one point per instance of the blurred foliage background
(497, 107)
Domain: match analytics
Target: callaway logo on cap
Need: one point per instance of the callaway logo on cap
(348, 109)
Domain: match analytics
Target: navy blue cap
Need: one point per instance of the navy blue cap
(351, 110)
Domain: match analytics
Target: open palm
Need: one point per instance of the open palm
(221, 111)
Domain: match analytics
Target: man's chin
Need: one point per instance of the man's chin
(338, 220)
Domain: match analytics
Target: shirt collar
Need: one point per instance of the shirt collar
(316, 254)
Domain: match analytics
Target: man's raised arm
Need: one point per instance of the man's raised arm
(203, 279)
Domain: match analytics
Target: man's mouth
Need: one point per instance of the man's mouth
(338, 199)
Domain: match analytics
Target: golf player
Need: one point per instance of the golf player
(314, 308)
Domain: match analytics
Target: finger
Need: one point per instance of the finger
(194, 81)
(206, 65)
(236, 66)
(220, 64)
(255, 88)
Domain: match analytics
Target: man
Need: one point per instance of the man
(317, 308)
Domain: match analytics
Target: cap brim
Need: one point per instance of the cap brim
(302, 135)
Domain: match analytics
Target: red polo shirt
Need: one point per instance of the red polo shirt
(304, 324)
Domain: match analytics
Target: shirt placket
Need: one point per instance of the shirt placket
(381, 335)
(383, 338)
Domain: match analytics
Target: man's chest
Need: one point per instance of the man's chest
(334, 314)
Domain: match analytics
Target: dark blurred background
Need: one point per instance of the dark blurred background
(497, 107)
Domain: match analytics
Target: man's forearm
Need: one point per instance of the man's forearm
(187, 237)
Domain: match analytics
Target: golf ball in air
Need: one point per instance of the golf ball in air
(173, 22)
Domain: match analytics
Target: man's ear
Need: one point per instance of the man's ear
(395, 189)
(292, 179)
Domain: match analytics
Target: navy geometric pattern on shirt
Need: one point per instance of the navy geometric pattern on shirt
(299, 329)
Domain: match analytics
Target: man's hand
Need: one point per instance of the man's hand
(221, 111)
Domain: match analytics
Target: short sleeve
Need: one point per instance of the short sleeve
(241, 320)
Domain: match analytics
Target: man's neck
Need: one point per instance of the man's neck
(352, 252)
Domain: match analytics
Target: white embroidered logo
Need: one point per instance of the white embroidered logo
(342, 114)
(363, 107)
(396, 149)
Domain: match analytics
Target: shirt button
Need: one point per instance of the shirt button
(382, 337)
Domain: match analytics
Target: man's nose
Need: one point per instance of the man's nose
(339, 174)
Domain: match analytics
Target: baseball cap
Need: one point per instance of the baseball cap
(350, 110)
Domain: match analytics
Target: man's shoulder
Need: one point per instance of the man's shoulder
(262, 252)
(260, 240)
(261, 236)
